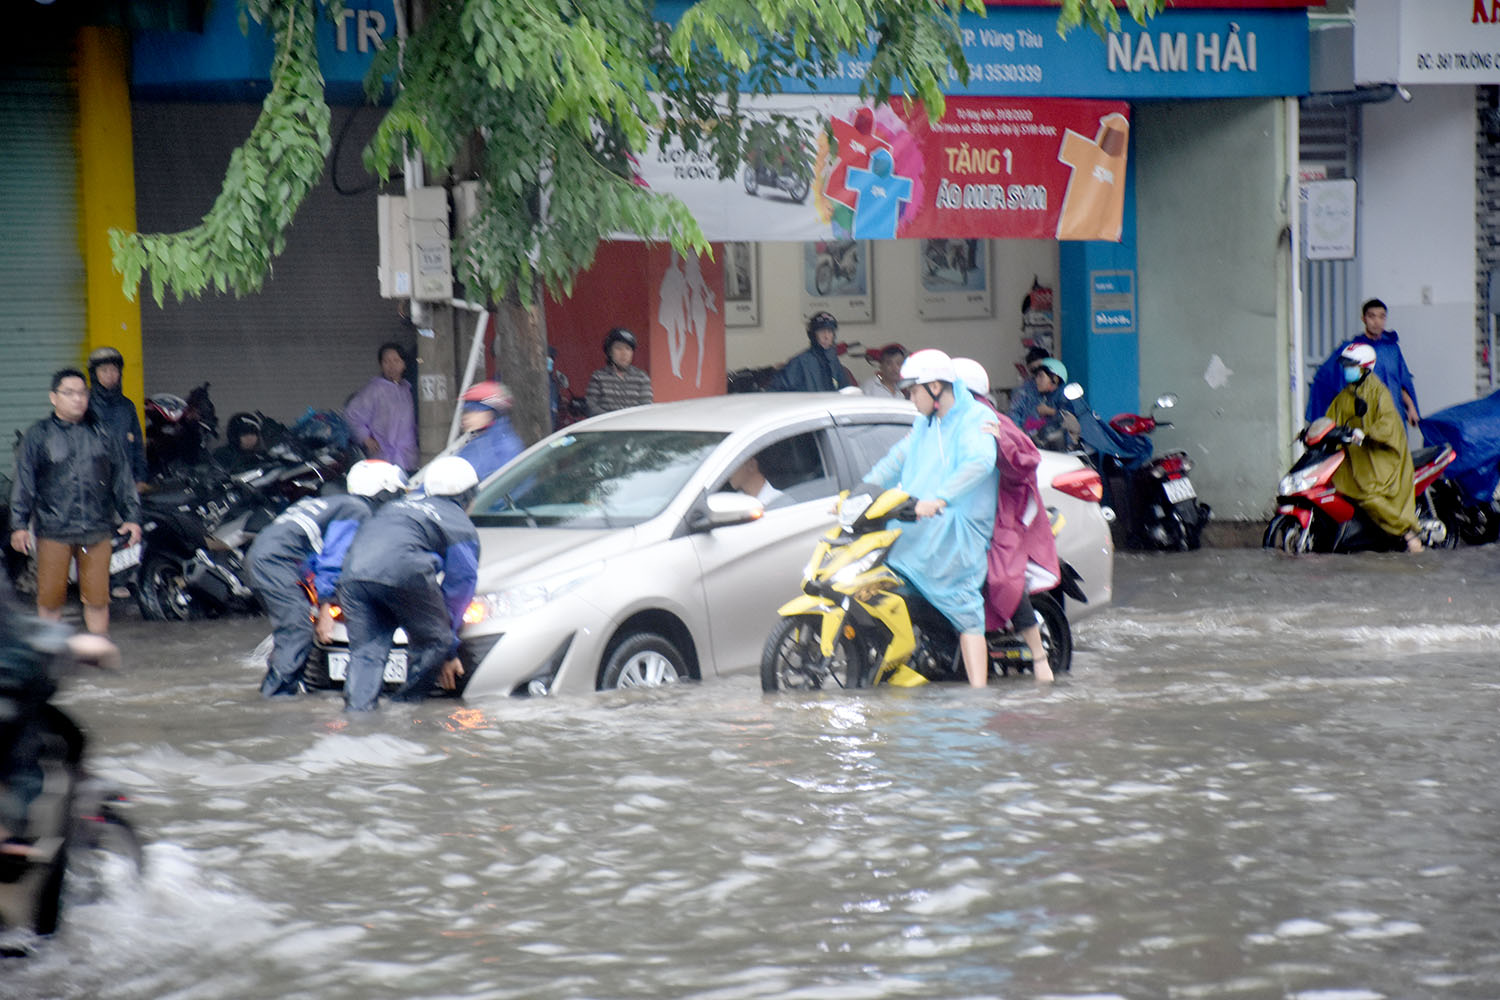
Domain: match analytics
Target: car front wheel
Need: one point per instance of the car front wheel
(645, 659)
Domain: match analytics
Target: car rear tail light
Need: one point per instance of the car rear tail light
(1084, 484)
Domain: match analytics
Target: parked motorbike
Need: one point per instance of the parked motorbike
(1465, 496)
(759, 379)
(1312, 516)
(73, 814)
(858, 624)
(196, 538)
(794, 181)
(1153, 498)
(178, 431)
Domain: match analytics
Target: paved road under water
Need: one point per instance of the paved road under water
(1266, 777)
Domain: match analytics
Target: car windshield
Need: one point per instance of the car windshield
(595, 479)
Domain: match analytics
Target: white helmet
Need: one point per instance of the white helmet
(930, 365)
(973, 375)
(372, 477)
(1358, 354)
(449, 476)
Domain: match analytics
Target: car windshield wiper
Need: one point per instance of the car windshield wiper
(530, 521)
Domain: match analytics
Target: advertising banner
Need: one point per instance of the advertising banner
(1427, 41)
(988, 169)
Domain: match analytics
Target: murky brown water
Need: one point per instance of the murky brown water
(1265, 778)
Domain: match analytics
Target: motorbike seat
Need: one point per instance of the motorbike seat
(1423, 456)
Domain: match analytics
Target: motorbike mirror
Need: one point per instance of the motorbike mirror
(1166, 401)
(1072, 391)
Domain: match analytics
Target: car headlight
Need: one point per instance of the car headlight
(863, 564)
(522, 599)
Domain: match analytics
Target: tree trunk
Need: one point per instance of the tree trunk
(521, 363)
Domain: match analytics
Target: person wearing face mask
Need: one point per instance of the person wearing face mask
(1377, 474)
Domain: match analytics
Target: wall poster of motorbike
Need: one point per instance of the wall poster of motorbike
(953, 280)
(989, 168)
(836, 279)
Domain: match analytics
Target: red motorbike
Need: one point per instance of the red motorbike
(1312, 516)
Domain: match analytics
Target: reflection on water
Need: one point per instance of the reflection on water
(1266, 778)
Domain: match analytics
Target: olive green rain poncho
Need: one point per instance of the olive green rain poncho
(1377, 474)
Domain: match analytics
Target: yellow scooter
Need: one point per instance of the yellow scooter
(857, 623)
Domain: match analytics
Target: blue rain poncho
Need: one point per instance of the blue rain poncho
(952, 459)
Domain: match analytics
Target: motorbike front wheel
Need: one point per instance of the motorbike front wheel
(1285, 534)
(799, 188)
(792, 659)
(163, 595)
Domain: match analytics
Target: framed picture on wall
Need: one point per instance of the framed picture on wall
(741, 284)
(836, 279)
(953, 279)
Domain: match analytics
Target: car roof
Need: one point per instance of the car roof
(747, 411)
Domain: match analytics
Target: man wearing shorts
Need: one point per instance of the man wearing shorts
(73, 479)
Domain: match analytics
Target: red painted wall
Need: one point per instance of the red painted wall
(625, 288)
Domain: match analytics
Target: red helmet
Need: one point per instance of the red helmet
(489, 394)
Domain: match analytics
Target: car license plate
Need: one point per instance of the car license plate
(124, 558)
(395, 666)
(1178, 490)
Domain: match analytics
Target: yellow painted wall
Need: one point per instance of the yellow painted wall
(106, 177)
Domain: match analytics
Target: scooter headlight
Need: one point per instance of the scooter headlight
(1293, 482)
(844, 577)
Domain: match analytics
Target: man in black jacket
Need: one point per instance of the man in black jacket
(115, 410)
(72, 480)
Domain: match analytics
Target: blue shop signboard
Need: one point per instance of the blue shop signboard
(1016, 52)
(1012, 52)
(225, 62)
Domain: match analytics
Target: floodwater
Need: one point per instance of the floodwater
(1266, 777)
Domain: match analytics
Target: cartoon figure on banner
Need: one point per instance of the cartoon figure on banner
(1094, 204)
(880, 193)
(686, 302)
(854, 143)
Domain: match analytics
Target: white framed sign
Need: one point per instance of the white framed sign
(1328, 210)
(953, 279)
(741, 284)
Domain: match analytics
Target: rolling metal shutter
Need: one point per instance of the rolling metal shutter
(309, 337)
(42, 294)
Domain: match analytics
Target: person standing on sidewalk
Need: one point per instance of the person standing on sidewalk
(383, 416)
(72, 481)
(619, 384)
(115, 410)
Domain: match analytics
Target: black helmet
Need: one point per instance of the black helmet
(619, 335)
(820, 321)
(106, 356)
(241, 424)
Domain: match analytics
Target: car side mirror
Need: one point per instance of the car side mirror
(723, 509)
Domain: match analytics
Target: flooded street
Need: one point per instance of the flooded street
(1265, 777)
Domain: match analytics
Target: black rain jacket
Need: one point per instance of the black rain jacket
(71, 481)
